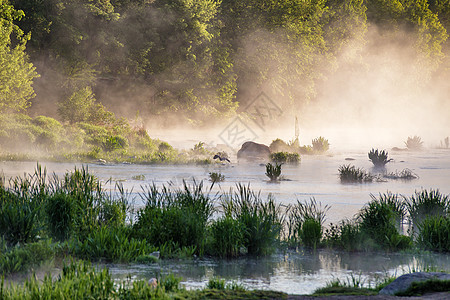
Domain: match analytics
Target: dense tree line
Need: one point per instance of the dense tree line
(199, 58)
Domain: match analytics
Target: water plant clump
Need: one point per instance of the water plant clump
(285, 157)
(379, 158)
(305, 223)
(320, 145)
(273, 171)
(434, 234)
(414, 143)
(424, 203)
(405, 174)
(349, 173)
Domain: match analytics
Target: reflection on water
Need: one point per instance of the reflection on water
(315, 176)
(293, 273)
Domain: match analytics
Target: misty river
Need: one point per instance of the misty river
(316, 176)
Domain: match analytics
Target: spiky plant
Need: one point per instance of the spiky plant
(349, 173)
(379, 158)
(273, 171)
(414, 143)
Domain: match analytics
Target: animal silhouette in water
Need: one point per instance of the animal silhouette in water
(221, 156)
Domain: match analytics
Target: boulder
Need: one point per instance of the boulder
(403, 282)
(253, 151)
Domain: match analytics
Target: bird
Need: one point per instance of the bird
(221, 156)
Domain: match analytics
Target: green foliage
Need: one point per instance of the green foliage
(178, 216)
(216, 283)
(426, 287)
(60, 212)
(380, 220)
(414, 143)
(434, 234)
(17, 75)
(379, 159)
(425, 204)
(345, 236)
(273, 171)
(320, 145)
(285, 157)
(20, 258)
(112, 244)
(259, 220)
(227, 237)
(349, 173)
(310, 212)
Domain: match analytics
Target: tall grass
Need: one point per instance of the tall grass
(273, 171)
(180, 216)
(381, 220)
(434, 234)
(424, 203)
(305, 223)
(379, 158)
(261, 221)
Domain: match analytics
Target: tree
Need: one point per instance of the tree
(16, 73)
(77, 107)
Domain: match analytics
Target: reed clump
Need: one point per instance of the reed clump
(349, 173)
(379, 158)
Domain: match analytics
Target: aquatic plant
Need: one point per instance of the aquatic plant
(179, 216)
(349, 173)
(434, 234)
(405, 174)
(260, 221)
(379, 158)
(344, 236)
(320, 145)
(273, 172)
(216, 283)
(216, 177)
(138, 177)
(227, 237)
(414, 143)
(285, 157)
(380, 220)
(60, 213)
(424, 203)
(311, 213)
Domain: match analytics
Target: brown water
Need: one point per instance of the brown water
(315, 176)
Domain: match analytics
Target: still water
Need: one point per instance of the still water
(315, 176)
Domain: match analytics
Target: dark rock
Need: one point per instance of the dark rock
(252, 151)
(403, 282)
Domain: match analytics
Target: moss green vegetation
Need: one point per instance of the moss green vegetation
(285, 157)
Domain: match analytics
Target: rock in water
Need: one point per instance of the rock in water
(253, 151)
(403, 282)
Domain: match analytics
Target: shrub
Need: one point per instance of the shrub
(216, 284)
(348, 173)
(414, 143)
(345, 236)
(380, 220)
(279, 145)
(260, 221)
(425, 204)
(311, 233)
(320, 145)
(434, 234)
(113, 244)
(177, 216)
(227, 237)
(60, 212)
(273, 172)
(297, 215)
(114, 142)
(379, 158)
(285, 157)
